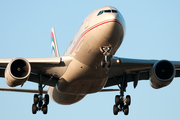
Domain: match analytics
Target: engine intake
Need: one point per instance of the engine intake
(162, 74)
(17, 72)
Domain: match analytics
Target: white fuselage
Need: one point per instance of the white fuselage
(84, 74)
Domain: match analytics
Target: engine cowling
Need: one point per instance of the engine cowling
(17, 72)
(162, 74)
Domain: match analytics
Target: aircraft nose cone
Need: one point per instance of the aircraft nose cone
(117, 16)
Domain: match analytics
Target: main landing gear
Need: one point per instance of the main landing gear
(39, 99)
(105, 50)
(121, 103)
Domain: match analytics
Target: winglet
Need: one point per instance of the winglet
(54, 47)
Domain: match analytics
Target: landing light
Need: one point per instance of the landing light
(117, 60)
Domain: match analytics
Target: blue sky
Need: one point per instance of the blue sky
(152, 32)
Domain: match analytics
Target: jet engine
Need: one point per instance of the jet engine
(162, 73)
(17, 72)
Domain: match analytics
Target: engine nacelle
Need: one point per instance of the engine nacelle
(17, 72)
(162, 74)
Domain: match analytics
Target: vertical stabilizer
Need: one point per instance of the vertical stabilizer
(54, 47)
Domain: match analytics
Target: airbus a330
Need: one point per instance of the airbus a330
(87, 66)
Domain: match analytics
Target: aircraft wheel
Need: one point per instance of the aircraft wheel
(46, 99)
(128, 100)
(34, 109)
(44, 109)
(126, 110)
(117, 99)
(36, 99)
(115, 109)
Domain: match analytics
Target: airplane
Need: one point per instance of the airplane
(87, 66)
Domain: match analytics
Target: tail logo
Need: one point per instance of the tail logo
(54, 44)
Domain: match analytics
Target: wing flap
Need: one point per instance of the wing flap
(47, 80)
(143, 75)
(2, 72)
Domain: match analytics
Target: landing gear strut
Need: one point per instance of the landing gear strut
(121, 103)
(39, 99)
(106, 52)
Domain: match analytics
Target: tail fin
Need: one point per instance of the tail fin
(54, 47)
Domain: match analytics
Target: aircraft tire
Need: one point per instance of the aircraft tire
(126, 110)
(128, 100)
(36, 99)
(46, 99)
(44, 109)
(115, 109)
(117, 99)
(34, 109)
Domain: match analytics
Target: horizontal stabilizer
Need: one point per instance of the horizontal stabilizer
(22, 90)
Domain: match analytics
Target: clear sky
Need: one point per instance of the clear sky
(152, 32)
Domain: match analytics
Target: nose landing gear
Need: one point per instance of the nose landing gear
(105, 50)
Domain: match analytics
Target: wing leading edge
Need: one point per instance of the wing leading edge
(133, 70)
(46, 67)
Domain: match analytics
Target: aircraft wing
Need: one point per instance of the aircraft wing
(41, 66)
(133, 70)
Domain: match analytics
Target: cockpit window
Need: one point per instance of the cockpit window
(101, 12)
(114, 11)
(106, 11)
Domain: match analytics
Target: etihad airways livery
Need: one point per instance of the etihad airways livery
(87, 66)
